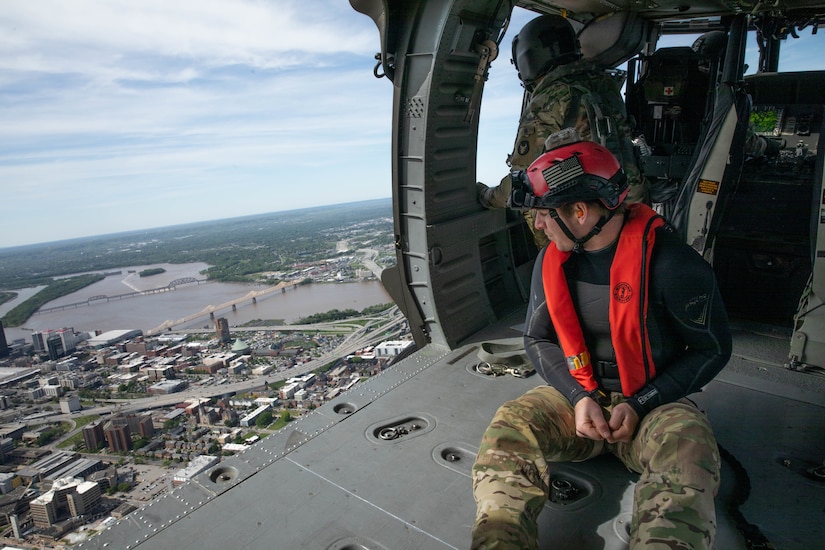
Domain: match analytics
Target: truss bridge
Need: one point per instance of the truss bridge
(104, 298)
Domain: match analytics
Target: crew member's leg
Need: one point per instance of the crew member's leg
(676, 454)
(510, 475)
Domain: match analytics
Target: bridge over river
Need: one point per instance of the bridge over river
(210, 310)
(103, 297)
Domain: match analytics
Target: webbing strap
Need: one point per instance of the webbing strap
(504, 356)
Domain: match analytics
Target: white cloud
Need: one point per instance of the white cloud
(155, 110)
(84, 34)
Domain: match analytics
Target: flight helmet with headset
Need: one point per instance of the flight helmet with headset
(579, 171)
(544, 43)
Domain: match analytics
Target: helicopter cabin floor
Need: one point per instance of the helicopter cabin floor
(386, 466)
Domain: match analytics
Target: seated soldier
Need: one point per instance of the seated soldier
(624, 321)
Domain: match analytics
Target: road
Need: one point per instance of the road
(372, 333)
(369, 261)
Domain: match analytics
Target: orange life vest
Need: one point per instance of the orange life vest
(627, 311)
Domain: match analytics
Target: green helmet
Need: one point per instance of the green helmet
(543, 44)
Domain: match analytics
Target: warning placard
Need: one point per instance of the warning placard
(708, 187)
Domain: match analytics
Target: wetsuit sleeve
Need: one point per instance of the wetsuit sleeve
(541, 342)
(695, 324)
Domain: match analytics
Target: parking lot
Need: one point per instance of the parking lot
(150, 481)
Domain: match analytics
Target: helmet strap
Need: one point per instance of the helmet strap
(578, 242)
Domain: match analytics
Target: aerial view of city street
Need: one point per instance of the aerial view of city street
(117, 389)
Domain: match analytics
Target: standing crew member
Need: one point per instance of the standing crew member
(565, 91)
(624, 321)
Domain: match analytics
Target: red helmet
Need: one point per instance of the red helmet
(580, 171)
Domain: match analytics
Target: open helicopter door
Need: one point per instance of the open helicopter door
(438, 66)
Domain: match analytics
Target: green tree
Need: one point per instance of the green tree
(264, 420)
(172, 423)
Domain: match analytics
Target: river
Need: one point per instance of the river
(149, 311)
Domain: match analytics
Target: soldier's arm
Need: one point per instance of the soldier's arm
(686, 284)
(541, 342)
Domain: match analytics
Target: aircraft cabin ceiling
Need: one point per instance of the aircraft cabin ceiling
(673, 9)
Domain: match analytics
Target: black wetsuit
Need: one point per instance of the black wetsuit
(687, 324)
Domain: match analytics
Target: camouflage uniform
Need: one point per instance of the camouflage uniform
(674, 452)
(552, 108)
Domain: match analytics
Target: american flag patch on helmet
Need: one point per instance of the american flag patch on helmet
(561, 175)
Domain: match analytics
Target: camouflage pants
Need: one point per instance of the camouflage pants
(674, 452)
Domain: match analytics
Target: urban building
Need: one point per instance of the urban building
(222, 330)
(43, 510)
(19, 377)
(80, 468)
(54, 347)
(39, 341)
(119, 438)
(145, 425)
(12, 431)
(167, 386)
(104, 478)
(159, 373)
(391, 348)
(288, 391)
(249, 419)
(52, 390)
(68, 339)
(138, 423)
(35, 393)
(142, 346)
(67, 365)
(241, 348)
(113, 337)
(70, 404)
(47, 465)
(67, 496)
(93, 435)
(197, 465)
(262, 370)
(84, 499)
(4, 347)
(6, 447)
(9, 482)
(219, 360)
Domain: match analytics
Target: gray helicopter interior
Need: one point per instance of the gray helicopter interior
(334, 480)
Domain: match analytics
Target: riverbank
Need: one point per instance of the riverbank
(56, 289)
(145, 312)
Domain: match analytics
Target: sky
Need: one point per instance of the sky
(119, 115)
